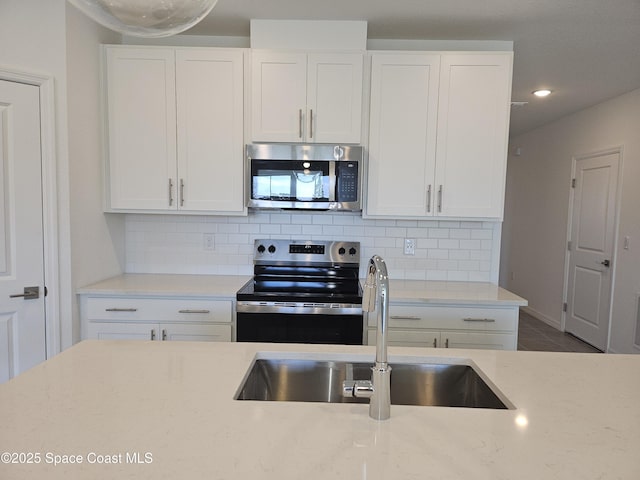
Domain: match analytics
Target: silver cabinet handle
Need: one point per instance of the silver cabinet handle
(446, 343)
(404, 317)
(440, 199)
(310, 123)
(181, 192)
(193, 311)
(435, 343)
(170, 192)
(429, 199)
(153, 334)
(120, 309)
(28, 293)
(300, 123)
(164, 334)
(485, 320)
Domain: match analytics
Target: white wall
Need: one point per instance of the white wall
(537, 205)
(33, 39)
(97, 240)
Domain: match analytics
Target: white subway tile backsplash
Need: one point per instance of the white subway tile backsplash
(445, 250)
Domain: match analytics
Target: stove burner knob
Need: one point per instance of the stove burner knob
(341, 251)
(261, 249)
(352, 251)
(272, 248)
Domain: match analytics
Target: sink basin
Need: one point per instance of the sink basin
(450, 384)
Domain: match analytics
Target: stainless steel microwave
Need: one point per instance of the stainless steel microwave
(304, 176)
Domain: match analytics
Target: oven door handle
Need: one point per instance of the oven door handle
(298, 308)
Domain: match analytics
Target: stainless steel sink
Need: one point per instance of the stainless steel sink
(425, 384)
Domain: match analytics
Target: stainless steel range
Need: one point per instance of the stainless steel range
(302, 292)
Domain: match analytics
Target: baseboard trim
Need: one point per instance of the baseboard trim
(542, 317)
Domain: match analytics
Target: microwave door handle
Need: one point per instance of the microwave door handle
(332, 181)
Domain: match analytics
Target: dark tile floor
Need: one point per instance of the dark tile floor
(535, 335)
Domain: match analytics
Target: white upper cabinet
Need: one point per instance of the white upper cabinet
(438, 134)
(175, 129)
(402, 138)
(473, 128)
(210, 130)
(298, 97)
(141, 124)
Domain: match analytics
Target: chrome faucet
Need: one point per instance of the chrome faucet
(378, 389)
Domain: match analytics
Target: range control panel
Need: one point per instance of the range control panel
(273, 251)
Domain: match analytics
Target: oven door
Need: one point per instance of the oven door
(342, 329)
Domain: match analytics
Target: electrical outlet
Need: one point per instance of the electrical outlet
(208, 242)
(409, 246)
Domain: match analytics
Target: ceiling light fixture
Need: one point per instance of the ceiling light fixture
(146, 18)
(542, 92)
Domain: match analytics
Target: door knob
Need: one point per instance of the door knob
(605, 263)
(30, 293)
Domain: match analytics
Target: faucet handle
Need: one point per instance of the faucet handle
(357, 388)
(369, 297)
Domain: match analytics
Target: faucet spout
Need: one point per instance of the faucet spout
(376, 299)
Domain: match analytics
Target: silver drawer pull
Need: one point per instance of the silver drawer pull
(193, 311)
(486, 320)
(404, 317)
(120, 309)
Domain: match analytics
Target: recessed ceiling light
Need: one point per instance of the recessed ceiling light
(542, 92)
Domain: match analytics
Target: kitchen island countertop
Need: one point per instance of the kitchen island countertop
(165, 410)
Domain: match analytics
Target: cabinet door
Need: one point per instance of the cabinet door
(141, 122)
(334, 98)
(209, 87)
(408, 338)
(402, 136)
(473, 123)
(478, 340)
(195, 332)
(278, 96)
(122, 331)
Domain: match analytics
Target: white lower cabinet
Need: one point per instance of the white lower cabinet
(158, 319)
(435, 326)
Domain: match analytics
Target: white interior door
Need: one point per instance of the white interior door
(22, 318)
(591, 251)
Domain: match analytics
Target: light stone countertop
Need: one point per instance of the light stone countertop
(452, 293)
(443, 293)
(577, 416)
(168, 285)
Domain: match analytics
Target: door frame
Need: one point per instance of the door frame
(46, 87)
(616, 226)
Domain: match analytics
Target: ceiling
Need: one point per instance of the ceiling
(586, 51)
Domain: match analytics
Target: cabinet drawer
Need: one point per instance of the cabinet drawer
(159, 309)
(407, 338)
(453, 318)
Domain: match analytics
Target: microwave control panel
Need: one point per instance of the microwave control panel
(347, 181)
